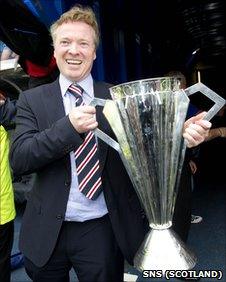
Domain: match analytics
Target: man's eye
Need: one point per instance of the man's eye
(84, 44)
(64, 43)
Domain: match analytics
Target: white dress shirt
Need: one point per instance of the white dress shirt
(80, 208)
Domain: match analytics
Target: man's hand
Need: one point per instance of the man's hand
(83, 118)
(196, 130)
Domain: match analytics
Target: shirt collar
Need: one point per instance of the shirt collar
(86, 84)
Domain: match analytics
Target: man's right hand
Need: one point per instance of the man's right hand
(83, 118)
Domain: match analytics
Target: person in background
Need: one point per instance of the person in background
(83, 212)
(213, 152)
(193, 167)
(7, 207)
(183, 216)
(38, 74)
(218, 131)
(26, 35)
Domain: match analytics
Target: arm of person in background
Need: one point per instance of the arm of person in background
(7, 112)
(216, 132)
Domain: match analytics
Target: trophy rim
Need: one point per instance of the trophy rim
(144, 80)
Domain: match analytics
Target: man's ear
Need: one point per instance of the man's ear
(94, 56)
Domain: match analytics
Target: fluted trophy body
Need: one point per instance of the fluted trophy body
(147, 117)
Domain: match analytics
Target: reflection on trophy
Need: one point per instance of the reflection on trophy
(147, 117)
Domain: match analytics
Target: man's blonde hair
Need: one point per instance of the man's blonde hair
(77, 13)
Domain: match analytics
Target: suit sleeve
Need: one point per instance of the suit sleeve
(7, 114)
(34, 147)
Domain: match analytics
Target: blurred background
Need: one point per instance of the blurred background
(139, 39)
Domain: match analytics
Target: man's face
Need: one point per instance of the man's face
(74, 50)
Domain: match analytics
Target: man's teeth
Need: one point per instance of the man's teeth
(74, 62)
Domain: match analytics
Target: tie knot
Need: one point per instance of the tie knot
(76, 91)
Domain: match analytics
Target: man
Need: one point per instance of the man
(63, 228)
(7, 207)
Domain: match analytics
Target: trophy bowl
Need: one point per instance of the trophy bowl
(147, 117)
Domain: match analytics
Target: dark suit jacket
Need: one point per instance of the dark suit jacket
(43, 139)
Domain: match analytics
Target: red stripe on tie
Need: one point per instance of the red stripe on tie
(81, 147)
(75, 89)
(94, 188)
(88, 176)
(87, 159)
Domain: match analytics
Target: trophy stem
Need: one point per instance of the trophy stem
(163, 250)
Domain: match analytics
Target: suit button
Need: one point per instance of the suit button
(59, 216)
(67, 183)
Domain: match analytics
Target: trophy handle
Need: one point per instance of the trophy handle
(99, 133)
(206, 91)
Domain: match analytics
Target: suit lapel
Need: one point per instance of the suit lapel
(53, 102)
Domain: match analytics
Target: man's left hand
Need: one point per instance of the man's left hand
(196, 129)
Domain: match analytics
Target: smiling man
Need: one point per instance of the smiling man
(83, 212)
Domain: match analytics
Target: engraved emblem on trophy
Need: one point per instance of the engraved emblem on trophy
(147, 117)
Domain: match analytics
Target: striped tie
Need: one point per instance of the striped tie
(86, 157)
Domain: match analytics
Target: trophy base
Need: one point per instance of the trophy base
(163, 250)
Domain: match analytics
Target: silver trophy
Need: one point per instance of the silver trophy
(147, 117)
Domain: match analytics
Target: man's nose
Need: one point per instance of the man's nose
(73, 48)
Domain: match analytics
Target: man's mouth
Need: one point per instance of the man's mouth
(73, 62)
